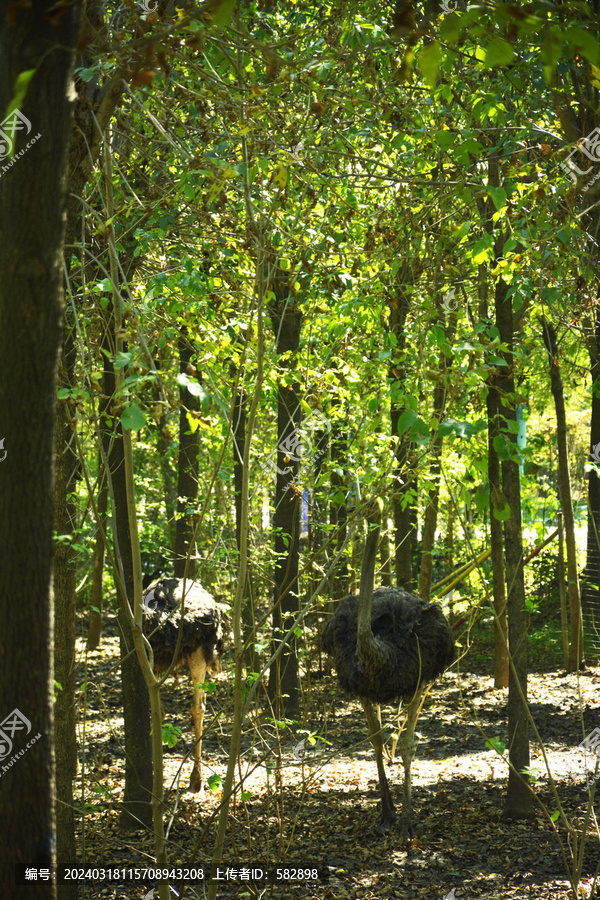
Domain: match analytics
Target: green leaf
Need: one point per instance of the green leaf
(214, 782)
(420, 431)
(551, 50)
(222, 13)
(87, 74)
(482, 499)
(498, 195)
(564, 236)
(461, 429)
(483, 251)
(445, 139)
(20, 89)
(496, 744)
(498, 53)
(406, 421)
(582, 43)
(450, 28)
(430, 59)
(133, 418)
(500, 505)
(21, 85)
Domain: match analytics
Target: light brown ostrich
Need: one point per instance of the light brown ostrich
(201, 646)
(388, 645)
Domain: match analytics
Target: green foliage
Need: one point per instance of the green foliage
(170, 734)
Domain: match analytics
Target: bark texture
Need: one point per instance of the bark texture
(33, 194)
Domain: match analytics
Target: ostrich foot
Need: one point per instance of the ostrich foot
(406, 830)
(385, 825)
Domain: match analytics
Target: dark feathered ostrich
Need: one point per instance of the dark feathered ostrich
(388, 645)
(201, 646)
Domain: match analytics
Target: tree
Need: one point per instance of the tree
(286, 320)
(37, 48)
(576, 660)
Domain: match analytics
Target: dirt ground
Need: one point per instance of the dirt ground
(314, 806)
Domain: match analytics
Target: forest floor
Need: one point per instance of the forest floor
(318, 809)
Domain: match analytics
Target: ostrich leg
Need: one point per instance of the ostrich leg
(388, 813)
(197, 664)
(407, 749)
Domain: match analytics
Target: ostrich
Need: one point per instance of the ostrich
(388, 645)
(202, 629)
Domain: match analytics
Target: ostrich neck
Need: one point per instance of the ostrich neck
(366, 646)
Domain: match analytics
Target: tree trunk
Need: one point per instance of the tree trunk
(404, 482)
(435, 468)
(591, 591)
(286, 320)
(162, 445)
(238, 428)
(32, 223)
(97, 593)
(105, 402)
(496, 541)
(65, 578)
(497, 500)
(519, 802)
(136, 810)
(576, 660)
(338, 514)
(187, 472)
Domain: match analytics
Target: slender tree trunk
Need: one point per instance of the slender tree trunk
(32, 223)
(497, 500)
(238, 429)
(519, 802)
(162, 445)
(286, 320)
(105, 420)
(187, 471)
(404, 481)
(435, 468)
(385, 575)
(591, 591)
(562, 580)
(318, 513)
(136, 810)
(338, 513)
(576, 660)
(65, 577)
(496, 541)
(97, 592)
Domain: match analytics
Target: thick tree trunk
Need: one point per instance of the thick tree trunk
(576, 660)
(519, 803)
(65, 578)
(32, 221)
(187, 472)
(286, 320)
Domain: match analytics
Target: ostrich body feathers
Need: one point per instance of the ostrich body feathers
(414, 643)
(204, 623)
